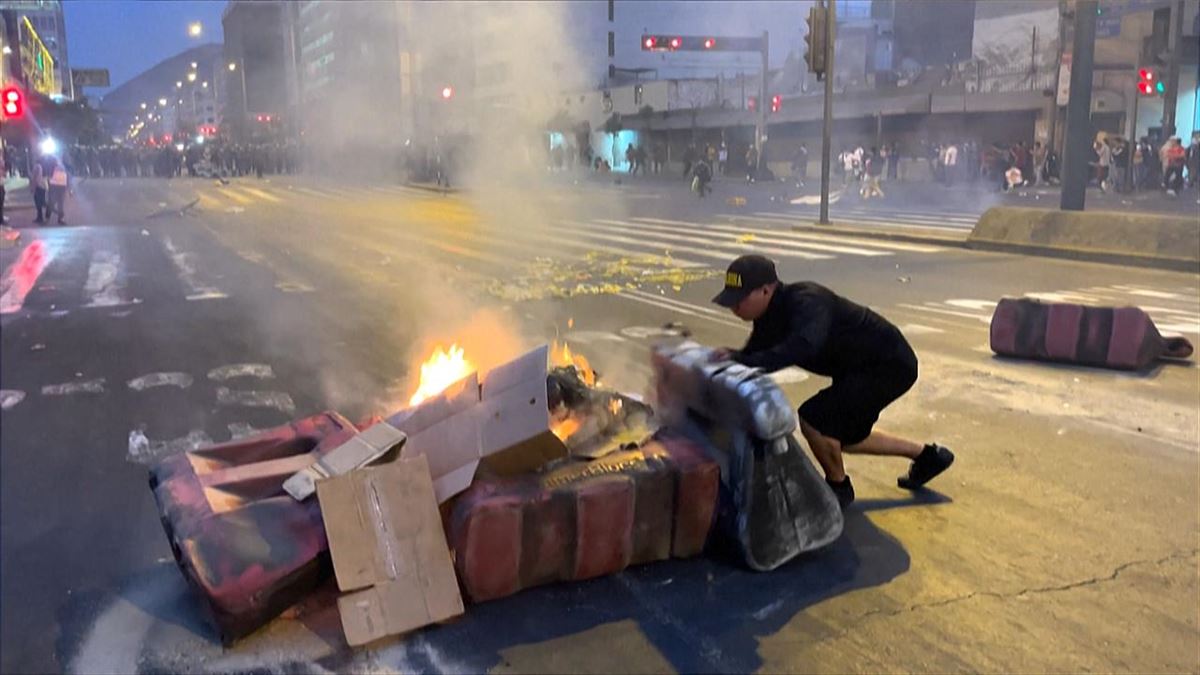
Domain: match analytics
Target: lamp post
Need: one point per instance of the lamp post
(233, 66)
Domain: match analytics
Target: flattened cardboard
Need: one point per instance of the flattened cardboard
(362, 449)
(387, 543)
(501, 416)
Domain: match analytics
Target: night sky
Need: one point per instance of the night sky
(130, 36)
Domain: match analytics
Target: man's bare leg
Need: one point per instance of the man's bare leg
(879, 443)
(828, 452)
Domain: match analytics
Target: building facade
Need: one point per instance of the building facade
(259, 88)
(38, 26)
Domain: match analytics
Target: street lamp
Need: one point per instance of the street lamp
(195, 29)
(193, 65)
(232, 67)
(162, 101)
(143, 105)
(204, 84)
(178, 84)
(191, 77)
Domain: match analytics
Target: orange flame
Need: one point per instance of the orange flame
(442, 369)
(614, 406)
(561, 355)
(565, 428)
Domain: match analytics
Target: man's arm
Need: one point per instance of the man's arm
(808, 329)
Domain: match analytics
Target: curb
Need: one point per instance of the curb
(912, 235)
(1124, 259)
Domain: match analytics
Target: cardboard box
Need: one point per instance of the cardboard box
(501, 418)
(389, 549)
(365, 447)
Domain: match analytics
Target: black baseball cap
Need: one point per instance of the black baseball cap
(745, 275)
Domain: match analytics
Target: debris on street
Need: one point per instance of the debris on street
(1123, 338)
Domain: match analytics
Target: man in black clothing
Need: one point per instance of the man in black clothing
(805, 324)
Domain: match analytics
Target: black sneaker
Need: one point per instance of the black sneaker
(933, 460)
(844, 491)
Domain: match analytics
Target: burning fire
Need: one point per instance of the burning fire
(441, 370)
(561, 355)
(565, 427)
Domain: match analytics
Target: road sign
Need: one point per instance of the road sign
(90, 77)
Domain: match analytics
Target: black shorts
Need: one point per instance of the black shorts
(849, 407)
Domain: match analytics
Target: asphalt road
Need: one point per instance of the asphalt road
(1064, 538)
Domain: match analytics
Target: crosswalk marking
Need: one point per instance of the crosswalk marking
(239, 198)
(767, 237)
(895, 214)
(720, 242)
(101, 288)
(259, 193)
(186, 271)
(805, 236)
(865, 219)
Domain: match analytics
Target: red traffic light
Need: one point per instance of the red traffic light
(776, 103)
(13, 102)
(447, 92)
(709, 43)
(1145, 88)
(676, 42)
(649, 42)
(1146, 74)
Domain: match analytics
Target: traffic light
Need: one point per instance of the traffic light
(815, 41)
(1148, 84)
(447, 92)
(709, 43)
(776, 103)
(14, 103)
(661, 43)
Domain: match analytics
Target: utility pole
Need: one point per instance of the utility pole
(761, 132)
(1079, 109)
(827, 122)
(1171, 95)
(1052, 133)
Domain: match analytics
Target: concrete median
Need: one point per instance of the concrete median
(1145, 239)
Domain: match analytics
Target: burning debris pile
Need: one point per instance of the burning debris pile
(533, 462)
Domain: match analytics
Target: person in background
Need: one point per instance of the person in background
(893, 163)
(950, 163)
(1139, 165)
(59, 181)
(1039, 163)
(872, 170)
(800, 165)
(1193, 160)
(39, 185)
(689, 156)
(1174, 157)
(1120, 165)
(751, 163)
(1103, 164)
(722, 158)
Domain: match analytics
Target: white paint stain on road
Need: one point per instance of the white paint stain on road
(278, 400)
(143, 450)
(240, 430)
(259, 370)
(181, 380)
(101, 289)
(10, 398)
(95, 386)
(186, 270)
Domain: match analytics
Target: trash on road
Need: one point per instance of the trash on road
(364, 448)
(389, 551)
(774, 503)
(1123, 338)
(248, 548)
(735, 201)
(501, 418)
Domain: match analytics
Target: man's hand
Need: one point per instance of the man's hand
(721, 354)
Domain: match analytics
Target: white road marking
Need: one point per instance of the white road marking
(674, 235)
(647, 332)
(658, 302)
(918, 329)
(294, 287)
(240, 430)
(712, 311)
(936, 310)
(589, 336)
(241, 199)
(10, 397)
(95, 386)
(143, 450)
(261, 194)
(727, 233)
(181, 380)
(587, 230)
(281, 401)
(186, 271)
(978, 305)
(860, 241)
(101, 288)
(259, 370)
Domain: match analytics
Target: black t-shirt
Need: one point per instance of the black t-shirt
(810, 326)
